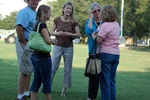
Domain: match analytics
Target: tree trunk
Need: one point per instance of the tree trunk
(135, 39)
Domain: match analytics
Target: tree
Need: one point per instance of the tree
(9, 21)
(0, 16)
(136, 18)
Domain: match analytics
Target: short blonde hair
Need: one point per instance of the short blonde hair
(108, 13)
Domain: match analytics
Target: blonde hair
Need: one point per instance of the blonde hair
(73, 19)
(108, 13)
(43, 9)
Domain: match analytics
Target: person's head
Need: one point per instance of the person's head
(108, 13)
(43, 13)
(32, 3)
(94, 10)
(68, 10)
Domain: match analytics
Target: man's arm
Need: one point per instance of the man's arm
(20, 34)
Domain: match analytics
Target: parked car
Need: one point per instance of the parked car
(10, 36)
(139, 42)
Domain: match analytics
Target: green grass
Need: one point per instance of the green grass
(133, 75)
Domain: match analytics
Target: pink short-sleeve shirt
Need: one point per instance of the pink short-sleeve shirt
(109, 31)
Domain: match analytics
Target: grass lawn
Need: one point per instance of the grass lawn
(133, 75)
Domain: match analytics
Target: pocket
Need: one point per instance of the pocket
(27, 49)
(38, 59)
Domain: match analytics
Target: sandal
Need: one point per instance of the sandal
(63, 94)
(90, 99)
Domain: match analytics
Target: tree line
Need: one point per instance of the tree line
(136, 20)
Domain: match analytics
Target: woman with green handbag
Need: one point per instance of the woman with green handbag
(42, 60)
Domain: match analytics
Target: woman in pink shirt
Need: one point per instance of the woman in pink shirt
(108, 38)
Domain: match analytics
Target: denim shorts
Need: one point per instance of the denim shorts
(42, 74)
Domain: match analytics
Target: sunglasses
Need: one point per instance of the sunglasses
(96, 10)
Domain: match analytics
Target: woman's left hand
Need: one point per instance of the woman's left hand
(94, 35)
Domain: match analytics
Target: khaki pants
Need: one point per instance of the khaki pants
(23, 55)
(67, 53)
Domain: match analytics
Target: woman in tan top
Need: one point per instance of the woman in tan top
(65, 28)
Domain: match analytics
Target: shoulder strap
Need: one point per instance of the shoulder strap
(38, 27)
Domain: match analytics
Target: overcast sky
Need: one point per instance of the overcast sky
(7, 6)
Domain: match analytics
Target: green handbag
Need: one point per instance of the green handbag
(37, 42)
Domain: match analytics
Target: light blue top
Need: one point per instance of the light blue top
(26, 18)
(89, 32)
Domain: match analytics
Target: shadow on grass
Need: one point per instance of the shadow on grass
(130, 85)
(8, 79)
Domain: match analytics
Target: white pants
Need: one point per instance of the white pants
(67, 53)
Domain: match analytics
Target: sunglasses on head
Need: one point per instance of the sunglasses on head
(96, 10)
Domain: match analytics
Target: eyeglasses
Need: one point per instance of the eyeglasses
(96, 10)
